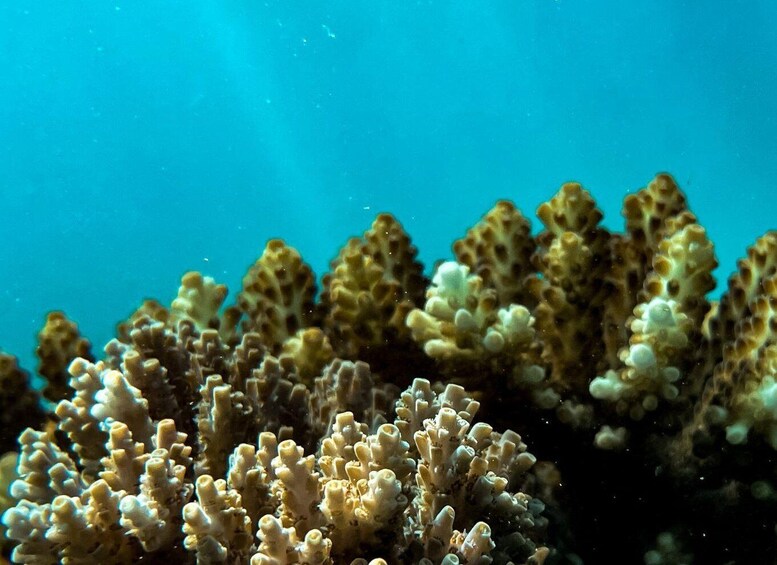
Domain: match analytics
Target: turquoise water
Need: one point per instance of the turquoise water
(143, 139)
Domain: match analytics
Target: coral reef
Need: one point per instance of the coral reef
(8, 475)
(19, 402)
(375, 422)
(59, 342)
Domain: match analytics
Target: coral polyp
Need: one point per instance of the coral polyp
(569, 396)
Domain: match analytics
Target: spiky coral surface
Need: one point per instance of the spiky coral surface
(374, 425)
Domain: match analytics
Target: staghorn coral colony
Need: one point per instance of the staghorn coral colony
(373, 422)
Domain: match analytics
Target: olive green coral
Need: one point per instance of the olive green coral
(59, 342)
(374, 282)
(19, 402)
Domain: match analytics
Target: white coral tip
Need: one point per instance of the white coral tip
(641, 357)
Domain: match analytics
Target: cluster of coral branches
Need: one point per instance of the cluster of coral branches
(372, 422)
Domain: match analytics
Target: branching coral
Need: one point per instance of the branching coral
(741, 395)
(499, 250)
(357, 496)
(568, 288)
(58, 344)
(278, 295)
(375, 281)
(665, 326)
(272, 430)
(463, 328)
(19, 403)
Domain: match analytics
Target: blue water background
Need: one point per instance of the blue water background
(143, 139)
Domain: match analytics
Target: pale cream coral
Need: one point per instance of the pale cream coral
(76, 418)
(280, 546)
(154, 515)
(215, 426)
(419, 403)
(118, 401)
(199, 300)
(663, 326)
(461, 319)
(217, 527)
(353, 495)
(297, 487)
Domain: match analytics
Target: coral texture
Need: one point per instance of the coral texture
(19, 403)
(59, 342)
(374, 424)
